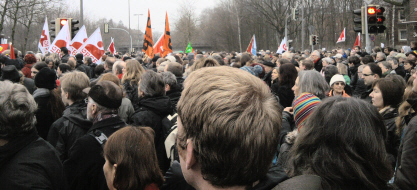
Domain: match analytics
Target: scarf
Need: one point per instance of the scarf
(103, 116)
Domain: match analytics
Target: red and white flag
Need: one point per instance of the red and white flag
(111, 48)
(283, 46)
(63, 39)
(342, 37)
(45, 40)
(158, 46)
(78, 40)
(358, 41)
(93, 47)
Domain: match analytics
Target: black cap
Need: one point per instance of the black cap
(106, 94)
(269, 64)
(46, 78)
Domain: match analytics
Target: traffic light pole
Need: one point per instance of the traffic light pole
(368, 41)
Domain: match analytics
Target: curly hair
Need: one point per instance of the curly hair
(29, 59)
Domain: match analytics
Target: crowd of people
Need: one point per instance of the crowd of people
(340, 119)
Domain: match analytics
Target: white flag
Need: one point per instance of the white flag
(342, 36)
(93, 47)
(283, 46)
(78, 40)
(111, 48)
(63, 39)
(45, 40)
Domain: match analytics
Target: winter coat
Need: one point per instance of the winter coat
(84, 166)
(174, 179)
(318, 65)
(302, 182)
(268, 78)
(174, 95)
(365, 96)
(26, 70)
(64, 59)
(285, 94)
(344, 94)
(360, 89)
(29, 84)
(354, 77)
(393, 140)
(29, 162)
(132, 93)
(126, 110)
(153, 113)
(285, 148)
(405, 175)
(82, 67)
(66, 130)
(44, 115)
(400, 71)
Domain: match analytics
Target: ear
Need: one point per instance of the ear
(190, 160)
(94, 109)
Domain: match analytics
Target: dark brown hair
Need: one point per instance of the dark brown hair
(391, 91)
(287, 74)
(227, 106)
(133, 150)
(342, 157)
(175, 68)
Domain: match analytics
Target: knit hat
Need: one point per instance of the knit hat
(337, 78)
(303, 106)
(46, 78)
(249, 69)
(10, 72)
(401, 55)
(106, 93)
(269, 64)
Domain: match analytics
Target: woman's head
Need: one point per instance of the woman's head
(131, 161)
(338, 83)
(151, 84)
(312, 82)
(29, 59)
(133, 71)
(36, 68)
(275, 73)
(287, 74)
(385, 93)
(346, 155)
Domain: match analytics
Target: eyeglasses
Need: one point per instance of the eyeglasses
(339, 83)
(367, 74)
(35, 72)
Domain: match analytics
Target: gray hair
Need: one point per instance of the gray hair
(328, 60)
(381, 54)
(393, 59)
(162, 66)
(316, 53)
(312, 82)
(386, 64)
(169, 79)
(17, 110)
(152, 84)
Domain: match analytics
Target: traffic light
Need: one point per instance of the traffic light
(317, 39)
(295, 14)
(52, 29)
(371, 16)
(359, 20)
(380, 19)
(73, 27)
(57, 25)
(314, 39)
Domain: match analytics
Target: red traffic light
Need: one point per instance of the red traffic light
(63, 22)
(371, 10)
(380, 20)
(380, 10)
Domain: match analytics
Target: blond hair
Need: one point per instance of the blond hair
(133, 71)
(73, 83)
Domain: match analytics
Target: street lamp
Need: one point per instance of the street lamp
(138, 29)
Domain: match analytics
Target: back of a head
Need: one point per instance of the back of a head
(133, 150)
(133, 71)
(245, 58)
(73, 83)
(308, 64)
(329, 72)
(375, 69)
(287, 74)
(313, 82)
(204, 62)
(175, 68)
(355, 60)
(71, 63)
(110, 77)
(342, 157)
(17, 111)
(151, 84)
(391, 88)
(109, 62)
(214, 111)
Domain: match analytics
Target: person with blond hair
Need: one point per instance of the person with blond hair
(130, 79)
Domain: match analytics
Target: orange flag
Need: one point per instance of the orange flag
(167, 38)
(148, 41)
(12, 56)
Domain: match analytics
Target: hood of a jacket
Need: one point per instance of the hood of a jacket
(77, 113)
(291, 136)
(159, 105)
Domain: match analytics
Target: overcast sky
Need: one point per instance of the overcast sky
(118, 10)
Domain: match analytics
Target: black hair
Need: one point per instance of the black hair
(375, 69)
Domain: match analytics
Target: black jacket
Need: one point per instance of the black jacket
(318, 65)
(44, 116)
(67, 129)
(82, 67)
(153, 113)
(407, 158)
(64, 59)
(365, 96)
(174, 95)
(84, 166)
(29, 162)
(29, 84)
(393, 140)
(174, 179)
(400, 71)
(132, 93)
(354, 77)
(268, 78)
(285, 94)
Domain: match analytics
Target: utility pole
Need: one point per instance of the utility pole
(302, 29)
(81, 14)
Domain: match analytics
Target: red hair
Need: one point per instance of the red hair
(30, 58)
